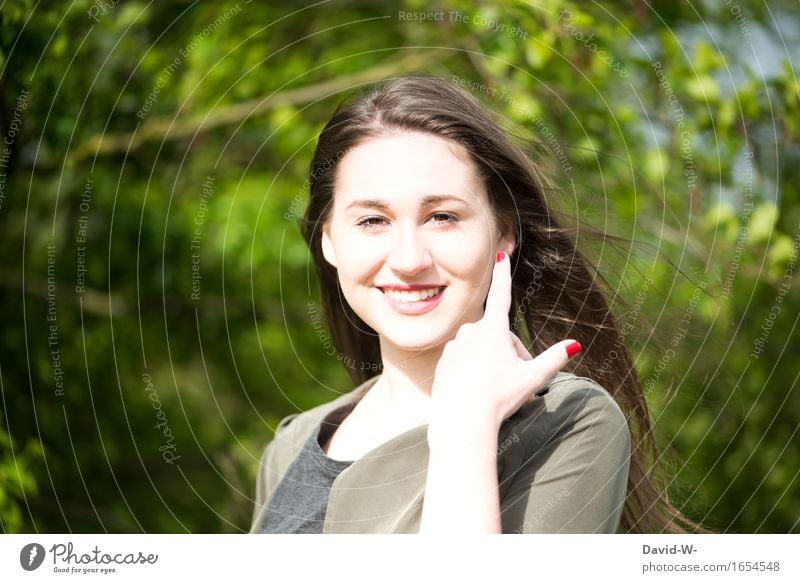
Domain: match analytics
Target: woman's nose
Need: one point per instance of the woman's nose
(409, 252)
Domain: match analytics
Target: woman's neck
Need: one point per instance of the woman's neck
(407, 379)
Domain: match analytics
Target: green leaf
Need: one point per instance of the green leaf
(762, 222)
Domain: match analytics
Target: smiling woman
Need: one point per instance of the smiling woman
(427, 227)
(425, 247)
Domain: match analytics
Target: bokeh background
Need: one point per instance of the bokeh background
(159, 311)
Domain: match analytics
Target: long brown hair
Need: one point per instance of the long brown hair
(568, 303)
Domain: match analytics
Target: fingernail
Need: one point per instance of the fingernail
(573, 349)
(499, 257)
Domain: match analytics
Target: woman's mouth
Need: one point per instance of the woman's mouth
(414, 302)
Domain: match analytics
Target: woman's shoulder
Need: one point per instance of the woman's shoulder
(573, 404)
(568, 391)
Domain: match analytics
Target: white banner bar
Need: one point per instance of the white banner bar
(401, 558)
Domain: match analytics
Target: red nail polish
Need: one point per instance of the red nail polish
(573, 349)
(499, 257)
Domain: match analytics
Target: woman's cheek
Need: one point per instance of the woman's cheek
(469, 261)
(358, 255)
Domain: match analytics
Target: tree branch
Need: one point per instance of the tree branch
(171, 128)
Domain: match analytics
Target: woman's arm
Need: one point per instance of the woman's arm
(461, 492)
(483, 376)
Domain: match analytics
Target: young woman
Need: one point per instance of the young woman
(429, 231)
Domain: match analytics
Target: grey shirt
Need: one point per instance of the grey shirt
(301, 499)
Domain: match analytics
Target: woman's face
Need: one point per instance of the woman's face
(410, 214)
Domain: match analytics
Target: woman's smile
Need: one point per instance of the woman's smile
(413, 303)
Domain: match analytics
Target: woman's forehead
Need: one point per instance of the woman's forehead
(397, 165)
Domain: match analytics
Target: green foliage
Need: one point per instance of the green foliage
(156, 289)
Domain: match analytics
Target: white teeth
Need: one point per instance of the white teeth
(411, 296)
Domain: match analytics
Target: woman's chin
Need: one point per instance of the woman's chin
(412, 342)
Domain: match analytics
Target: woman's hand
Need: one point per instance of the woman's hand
(485, 373)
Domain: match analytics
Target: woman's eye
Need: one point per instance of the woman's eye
(370, 223)
(445, 218)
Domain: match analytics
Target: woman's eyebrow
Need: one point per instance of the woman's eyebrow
(427, 200)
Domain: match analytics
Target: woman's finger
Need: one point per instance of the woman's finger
(522, 352)
(545, 366)
(498, 300)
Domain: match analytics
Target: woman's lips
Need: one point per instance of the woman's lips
(414, 308)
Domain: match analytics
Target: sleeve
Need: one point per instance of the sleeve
(573, 467)
(267, 477)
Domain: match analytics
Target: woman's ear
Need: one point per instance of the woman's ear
(507, 243)
(327, 247)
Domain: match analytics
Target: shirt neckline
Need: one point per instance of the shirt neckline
(399, 444)
(325, 429)
(408, 440)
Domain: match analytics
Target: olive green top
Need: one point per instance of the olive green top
(562, 466)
